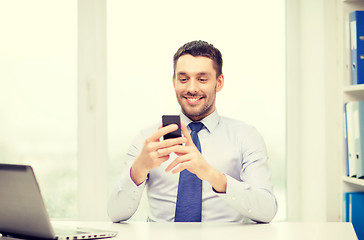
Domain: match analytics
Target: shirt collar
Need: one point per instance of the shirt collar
(210, 122)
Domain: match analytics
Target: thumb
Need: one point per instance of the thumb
(186, 134)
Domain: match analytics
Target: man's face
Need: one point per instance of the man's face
(196, 85)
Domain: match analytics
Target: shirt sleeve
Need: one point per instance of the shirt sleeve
(125, 197)
(252, 194)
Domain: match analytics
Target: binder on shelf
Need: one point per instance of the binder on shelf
(350, 137)
(354, 136)
(354, 211)
(358, 118)
(357, 46)
(346, 152)
(346, 207)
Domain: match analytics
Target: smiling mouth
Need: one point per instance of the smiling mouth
(193, 100)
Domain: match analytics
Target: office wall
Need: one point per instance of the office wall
(312, 111)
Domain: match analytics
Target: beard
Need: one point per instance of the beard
(197, 113)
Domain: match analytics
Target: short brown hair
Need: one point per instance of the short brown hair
(203, 49)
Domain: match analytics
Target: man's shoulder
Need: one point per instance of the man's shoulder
(241, 131)
(235, 124)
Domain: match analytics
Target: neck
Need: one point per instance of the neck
(199, 117)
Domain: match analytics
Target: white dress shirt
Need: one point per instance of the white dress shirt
(231, 146)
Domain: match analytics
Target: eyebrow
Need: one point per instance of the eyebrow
(199, 74)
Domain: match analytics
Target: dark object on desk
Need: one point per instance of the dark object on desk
(22, 210)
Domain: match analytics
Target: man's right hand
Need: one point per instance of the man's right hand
(150, 157)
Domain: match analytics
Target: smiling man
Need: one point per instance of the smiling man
(217, 171)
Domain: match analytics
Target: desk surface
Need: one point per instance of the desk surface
(231, 231)
(209, 231)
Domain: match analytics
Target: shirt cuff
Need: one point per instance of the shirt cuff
(129, 190)
(233, 189)
(127, 184)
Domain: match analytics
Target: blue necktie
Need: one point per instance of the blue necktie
(189, 196)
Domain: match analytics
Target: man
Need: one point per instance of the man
(226, 157)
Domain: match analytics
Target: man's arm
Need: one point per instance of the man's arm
(252, 194)
(125, 198)
(257, 204)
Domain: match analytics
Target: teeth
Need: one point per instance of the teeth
(193, 99)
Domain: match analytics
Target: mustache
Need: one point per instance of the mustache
(189, 94)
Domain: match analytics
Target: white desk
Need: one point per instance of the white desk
(222, 231)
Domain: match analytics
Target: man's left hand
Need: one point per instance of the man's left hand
(190, 158)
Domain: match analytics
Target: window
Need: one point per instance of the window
(38, 96)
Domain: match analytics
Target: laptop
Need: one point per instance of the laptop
(23, 213)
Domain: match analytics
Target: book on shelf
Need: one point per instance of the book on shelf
(346, 144)
(354, 138)
(357, 46)
(354, 211)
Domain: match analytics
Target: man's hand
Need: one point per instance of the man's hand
(154, 153)
(190, 158)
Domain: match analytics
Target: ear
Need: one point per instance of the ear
(174, 82)
(220, 83)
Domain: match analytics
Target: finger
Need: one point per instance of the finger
(159, 159)
(163, 131)
(172, 165)
(163, 158)
(178, 149)
(178, 160)
(153, 146)
(186, 134)
(180, 167)
(171, 142)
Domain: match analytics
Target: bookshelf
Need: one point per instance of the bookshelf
(353, 92)
(350, 180)
(348, 92)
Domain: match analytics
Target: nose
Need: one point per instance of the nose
(192, 86)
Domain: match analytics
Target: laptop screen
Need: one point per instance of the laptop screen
(22, 209)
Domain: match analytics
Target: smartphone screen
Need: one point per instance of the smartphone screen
(172, 119)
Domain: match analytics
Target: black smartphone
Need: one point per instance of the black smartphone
(172, 119)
